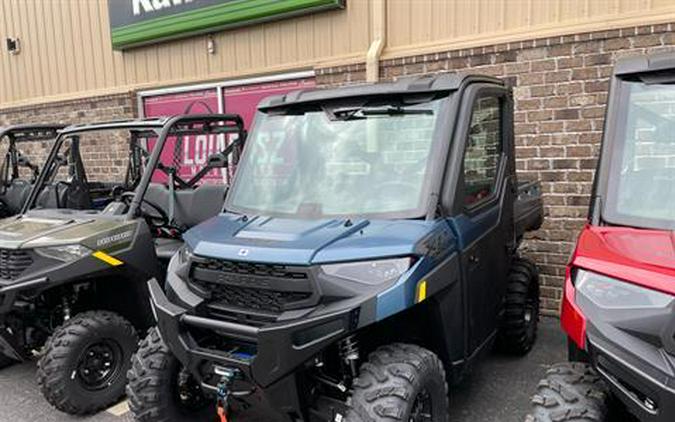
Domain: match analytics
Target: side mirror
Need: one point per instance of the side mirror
(217, 160)
(23, 161)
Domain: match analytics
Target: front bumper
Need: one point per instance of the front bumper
(272, 353)
(645, 390)
(634, 351)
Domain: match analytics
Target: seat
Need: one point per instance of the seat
(16, 194)
(192, 206)
(166, 248)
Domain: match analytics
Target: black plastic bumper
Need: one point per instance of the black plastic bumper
(280, 348)
(647, 393)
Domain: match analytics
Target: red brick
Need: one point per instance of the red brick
(647, 40)
(567, 114)
(585, 73)
(559, 76)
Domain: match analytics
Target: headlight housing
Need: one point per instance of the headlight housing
(610, 293)
(369, 272)
(64, 253)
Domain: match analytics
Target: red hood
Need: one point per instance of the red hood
(645, 257)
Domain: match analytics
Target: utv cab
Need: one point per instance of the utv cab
(17, 171)
(74, 264)
(367, 256)
(618, 307)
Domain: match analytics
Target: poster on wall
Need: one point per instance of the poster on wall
(140, 22)
(190, 153)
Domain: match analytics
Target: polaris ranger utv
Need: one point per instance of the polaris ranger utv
(618, 306)
(368, 249)
(15, 185)
(75, 263)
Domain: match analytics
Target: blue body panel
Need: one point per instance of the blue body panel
(315, 242)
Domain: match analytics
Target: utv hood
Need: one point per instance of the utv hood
(305, 242)
(29, 232)
(645, 257)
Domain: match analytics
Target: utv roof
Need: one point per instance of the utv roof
(28, 132)
(645, 63)
(158, 123)
(442, 82)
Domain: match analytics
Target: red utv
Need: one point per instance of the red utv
(618, 305)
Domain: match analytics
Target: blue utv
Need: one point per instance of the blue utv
(366, 256)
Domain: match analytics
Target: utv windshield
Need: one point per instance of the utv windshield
(641, 186)
(333, 161)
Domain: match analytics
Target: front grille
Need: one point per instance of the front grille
(252, 299)
(13, 263)
(248, 268)
(252, 287)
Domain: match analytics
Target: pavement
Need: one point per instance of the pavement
(497, 390)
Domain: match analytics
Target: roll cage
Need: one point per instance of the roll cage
(14, 159)
(139, 177)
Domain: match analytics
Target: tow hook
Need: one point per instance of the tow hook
(227, 376)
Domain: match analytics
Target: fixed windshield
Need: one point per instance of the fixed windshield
(641, 187)
(338, 161)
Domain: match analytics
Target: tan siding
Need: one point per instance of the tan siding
(66, 49)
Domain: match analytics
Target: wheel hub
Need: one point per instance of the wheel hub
(421, 410)
(99, 364)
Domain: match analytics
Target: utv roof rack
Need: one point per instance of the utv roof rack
(442, 82)
(645, 63)
(29, 132)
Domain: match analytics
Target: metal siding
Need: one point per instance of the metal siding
(66, 50)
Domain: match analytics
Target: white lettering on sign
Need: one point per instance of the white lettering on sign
(196, 151)
(145, 6)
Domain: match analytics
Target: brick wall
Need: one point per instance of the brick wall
(105, 158)
(560, 88)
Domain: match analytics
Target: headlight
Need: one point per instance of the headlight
(369, 272)
(611, 293)
(65, 253)
(184, 254)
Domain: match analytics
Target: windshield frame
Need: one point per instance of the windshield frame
(613, 142)
(435, 166)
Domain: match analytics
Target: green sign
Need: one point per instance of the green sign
(139, 22)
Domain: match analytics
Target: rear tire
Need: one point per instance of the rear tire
(153, 387)
(571, 392)
(400, 382)
(518, 328)
(85, 361)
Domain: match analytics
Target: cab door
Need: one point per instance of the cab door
(483, 206)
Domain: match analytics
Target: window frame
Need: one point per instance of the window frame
(478, 206)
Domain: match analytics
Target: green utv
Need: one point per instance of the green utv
(74, 263)
(15, 184)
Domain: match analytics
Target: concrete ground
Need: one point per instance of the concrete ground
(498, 390)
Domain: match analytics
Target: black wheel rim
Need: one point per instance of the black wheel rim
(422, 408)
(188, 393)
(99, 365)
(531, 313)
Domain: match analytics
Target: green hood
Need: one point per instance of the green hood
(30, 232)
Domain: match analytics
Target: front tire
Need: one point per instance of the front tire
(85, 361)
(518, 328)
(400, 382)
(159, 390)
(571, 392)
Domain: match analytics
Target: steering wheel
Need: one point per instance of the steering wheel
(156, 221)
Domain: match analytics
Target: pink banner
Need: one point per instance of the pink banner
(191, 154)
